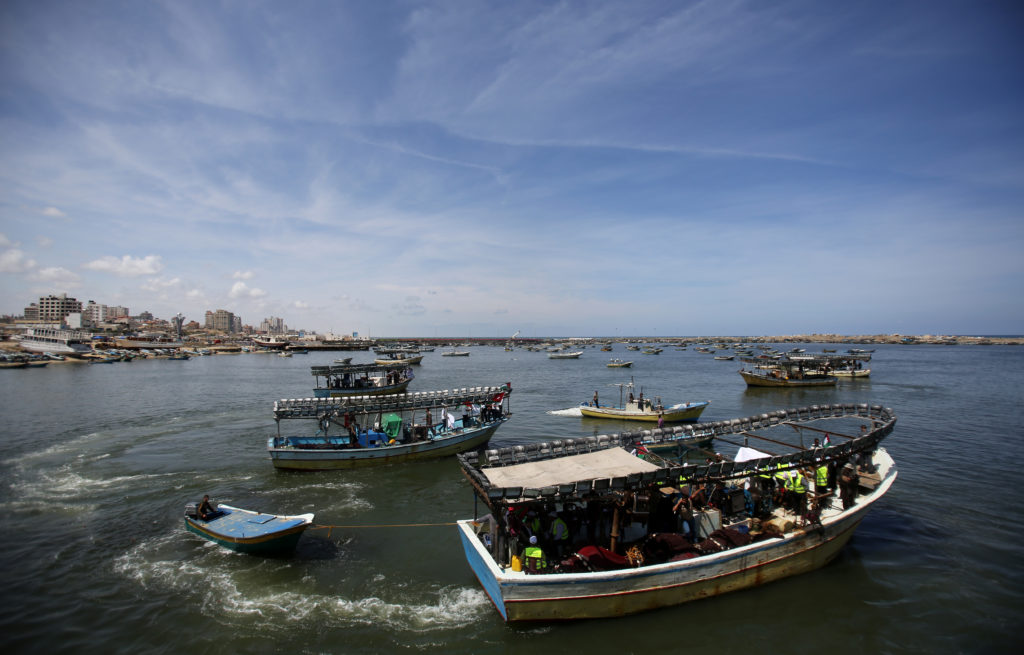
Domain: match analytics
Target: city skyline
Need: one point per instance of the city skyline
(561, 169)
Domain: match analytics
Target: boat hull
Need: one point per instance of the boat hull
(303, 459)
(755, 380)
(674, 414)
(860, 373)
(521, 597)
(257, 538)
(412, 359)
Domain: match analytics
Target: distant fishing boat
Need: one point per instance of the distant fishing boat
(388, 356)
(798, 370)
(246, 531)
(618, 363)
(643, 409)
(565, 355)
(455, 353)
(341, 380)
(377, 430)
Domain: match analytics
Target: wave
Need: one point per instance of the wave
(572, 411)
(234, 590)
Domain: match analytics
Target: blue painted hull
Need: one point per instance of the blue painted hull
(249, 532)
(306, 459)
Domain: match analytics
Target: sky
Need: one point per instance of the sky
(554, 168)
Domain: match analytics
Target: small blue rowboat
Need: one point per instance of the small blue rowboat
(250, 532)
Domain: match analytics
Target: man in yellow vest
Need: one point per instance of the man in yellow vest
(559, 535)
(534, 560)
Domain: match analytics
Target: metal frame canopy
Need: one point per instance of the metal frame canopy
(610, 463)
(317, 408)
(342, 369)
(480, 467)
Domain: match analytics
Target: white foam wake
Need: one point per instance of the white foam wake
(572, 411)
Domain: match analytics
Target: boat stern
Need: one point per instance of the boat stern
(482, 564)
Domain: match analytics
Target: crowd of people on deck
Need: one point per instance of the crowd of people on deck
(544, 535)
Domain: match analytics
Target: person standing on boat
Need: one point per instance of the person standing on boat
(848, 483)
(684, 508)
(534, 560)
(661, 419)
(595, 398)
(559, 535)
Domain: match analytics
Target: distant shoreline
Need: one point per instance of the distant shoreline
(831, 339)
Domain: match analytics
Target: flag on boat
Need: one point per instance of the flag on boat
(827, 442)
(499, 397)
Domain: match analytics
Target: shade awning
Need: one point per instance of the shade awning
(611, 463)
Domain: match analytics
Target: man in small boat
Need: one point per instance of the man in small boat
(595, 398)
(206, 510)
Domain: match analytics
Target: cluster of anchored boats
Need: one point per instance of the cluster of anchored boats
(595, 526)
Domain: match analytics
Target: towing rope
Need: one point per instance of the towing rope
(383, 525)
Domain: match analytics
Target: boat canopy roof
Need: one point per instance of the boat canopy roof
(483, 468)
(804, 359)
(610, 463)
(320, 407)
(342, 369)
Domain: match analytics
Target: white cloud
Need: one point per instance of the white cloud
(4, 241)
(53, 212)
(241, 290)
(15, 261)
(127, 266)
(57, 277)
(242, 275)
(157, 284)
(299, 304)
(44, 241)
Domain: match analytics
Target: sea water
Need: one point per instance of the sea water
(99, 461)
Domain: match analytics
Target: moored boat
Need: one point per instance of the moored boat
(455, 353)
(639, 559)
(246, 531)
(270, 342)
(377, 430)
(397, 357)
(341, 380)
(618, 363)
(65, 342)
(565, 355)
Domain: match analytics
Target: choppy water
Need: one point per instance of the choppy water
(98, 462)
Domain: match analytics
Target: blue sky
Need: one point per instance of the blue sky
(558, 168)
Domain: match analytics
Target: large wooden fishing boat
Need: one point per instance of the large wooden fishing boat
(643, 409)
(796, 369)
(246, 531)
(376, 430)
(343, 380)
(628, 554)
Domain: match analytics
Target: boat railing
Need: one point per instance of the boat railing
(306, 408)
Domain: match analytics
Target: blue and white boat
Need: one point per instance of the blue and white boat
(361, 431)
(246, 531)
(621, 565)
